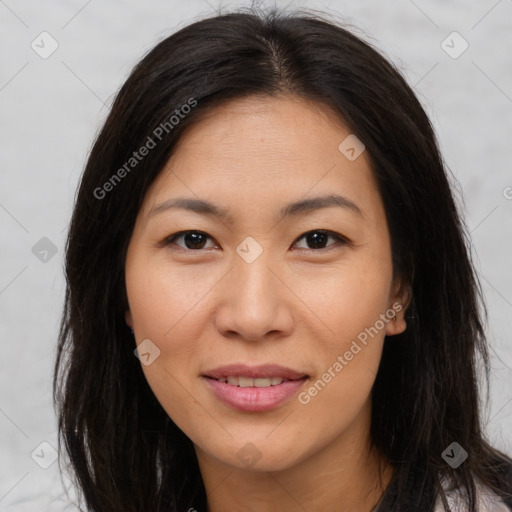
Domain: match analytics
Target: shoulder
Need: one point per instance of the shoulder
(487, 500)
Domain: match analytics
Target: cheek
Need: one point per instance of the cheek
(351, 301)
(347, 359)
(166, 308)
(165, 299)
(169, 306)
(346, 298)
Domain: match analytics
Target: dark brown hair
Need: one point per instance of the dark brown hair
(125, 452)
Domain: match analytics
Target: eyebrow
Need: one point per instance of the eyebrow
(300, 207)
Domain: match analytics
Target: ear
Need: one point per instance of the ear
(399, 302)
(128, 318)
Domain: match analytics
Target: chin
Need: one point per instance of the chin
(261, 456)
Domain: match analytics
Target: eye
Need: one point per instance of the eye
(319, 237)
(195, 240)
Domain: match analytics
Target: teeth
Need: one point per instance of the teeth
(262, 382)
(247, 382)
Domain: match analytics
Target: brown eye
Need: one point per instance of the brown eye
(193, 240)
(316, 240)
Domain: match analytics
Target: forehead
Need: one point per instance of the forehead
(266, 128)
(260, 151)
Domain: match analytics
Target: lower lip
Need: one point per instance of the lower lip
(253, 398)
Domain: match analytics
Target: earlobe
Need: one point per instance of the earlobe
(396, 325)
(399, 305)
(128, 319)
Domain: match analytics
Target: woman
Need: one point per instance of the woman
(217, 351)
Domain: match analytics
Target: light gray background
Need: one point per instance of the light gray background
(52, 108)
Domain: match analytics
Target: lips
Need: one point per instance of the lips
(254, 388)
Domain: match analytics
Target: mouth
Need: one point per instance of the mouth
(259, 376)
(248, 382)
(254, 388)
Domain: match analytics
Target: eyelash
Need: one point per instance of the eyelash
(170, 240)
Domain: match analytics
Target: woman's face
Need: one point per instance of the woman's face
(272, 296)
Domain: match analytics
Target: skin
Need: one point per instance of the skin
(295, 305)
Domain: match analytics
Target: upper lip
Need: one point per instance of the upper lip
(260, 371)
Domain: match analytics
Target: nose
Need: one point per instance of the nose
(255, 303)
